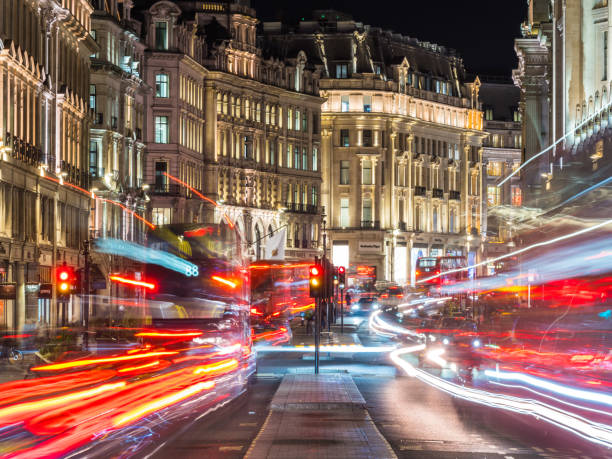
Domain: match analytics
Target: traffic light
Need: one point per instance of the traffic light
(317, 286)
(65, 282)
(342, 276)
(336, 276)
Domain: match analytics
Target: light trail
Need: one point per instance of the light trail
(124, 280)
(581, 394)
(330, 349)
(593, 432)
(193, 190)
(524, 249)
(223, 281)
(378, 325)
(85, 362)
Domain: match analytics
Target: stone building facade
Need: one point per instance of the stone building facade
(501, 156)
(401, 146)
(564, 74)
(243, 127)
(117, 95)
(44, 204)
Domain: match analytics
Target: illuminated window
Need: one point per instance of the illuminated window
(342, 71)
(161, 180)
(517, 196)
(304, 158)
(367, 104)
(344, 212)
(315, 159)
(494, 169)
(345, 104)
(344, 172)
(92, 97)
(366, 177)
(366, 212)
(162, 216)
(161, 85)
(314, 198)
(493, 197)
(489, 114)
(161, 129)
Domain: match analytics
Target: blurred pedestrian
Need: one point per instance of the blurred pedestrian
(308, 317)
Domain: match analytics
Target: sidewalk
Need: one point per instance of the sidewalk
(319, 416)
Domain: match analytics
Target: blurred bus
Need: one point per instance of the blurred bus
(435, 272)
(279, 290)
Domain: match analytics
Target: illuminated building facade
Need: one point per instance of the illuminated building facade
(402, 141)
(236, 123)
(44, 74)
(501, 155)
(564, 74)
(116, 145)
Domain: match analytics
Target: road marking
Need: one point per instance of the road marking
(508, 457)
(248, 424)
(230, 448)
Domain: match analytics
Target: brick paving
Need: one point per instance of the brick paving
(319, 416)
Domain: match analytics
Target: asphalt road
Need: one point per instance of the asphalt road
(417, 420)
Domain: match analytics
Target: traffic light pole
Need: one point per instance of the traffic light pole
(341, 311)
(317, 332)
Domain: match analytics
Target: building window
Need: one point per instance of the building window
(605, 56)
(366, 212)
(493, 196)
(489, 114)
(289, 149)
(161, 129)
(92, 97)
(314, 198)
(161, 180)
(296, 193)
(517, 196)
(315, 159)
(93, 158)
(367, 138)
(344, 138)
(304, 158)
(367, 104)
(161, 35)
(518, 141)
(366, 176)
(494, 169)
(296, 157)
(161, 85)
(517, 116)
(344, 212)
(162, 216)
(435, 220)
(298, 120)
(451, 221)
(344, 172)
(305, 122)
(345, 103)
(272, 152)
(341, 70)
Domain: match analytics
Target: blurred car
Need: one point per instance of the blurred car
(365, 305)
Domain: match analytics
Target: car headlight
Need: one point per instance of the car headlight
(375, 306)
(445, 341)
(432, 337)
(355, 307)
(476, 343)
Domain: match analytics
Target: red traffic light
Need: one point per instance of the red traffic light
(341, 269)
(314, 271)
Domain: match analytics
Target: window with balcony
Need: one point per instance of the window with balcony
(161, 35)
(161, 129)
(341, 70)
(367, 104)
(366, 176)
(344, 138)
(161, 85)
(344, 172)
(345, 103)
(344, 212)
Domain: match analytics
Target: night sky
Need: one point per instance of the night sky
(482, 31)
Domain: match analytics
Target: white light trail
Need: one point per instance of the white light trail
(524, 249)
(331, 349)
(593, 432)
